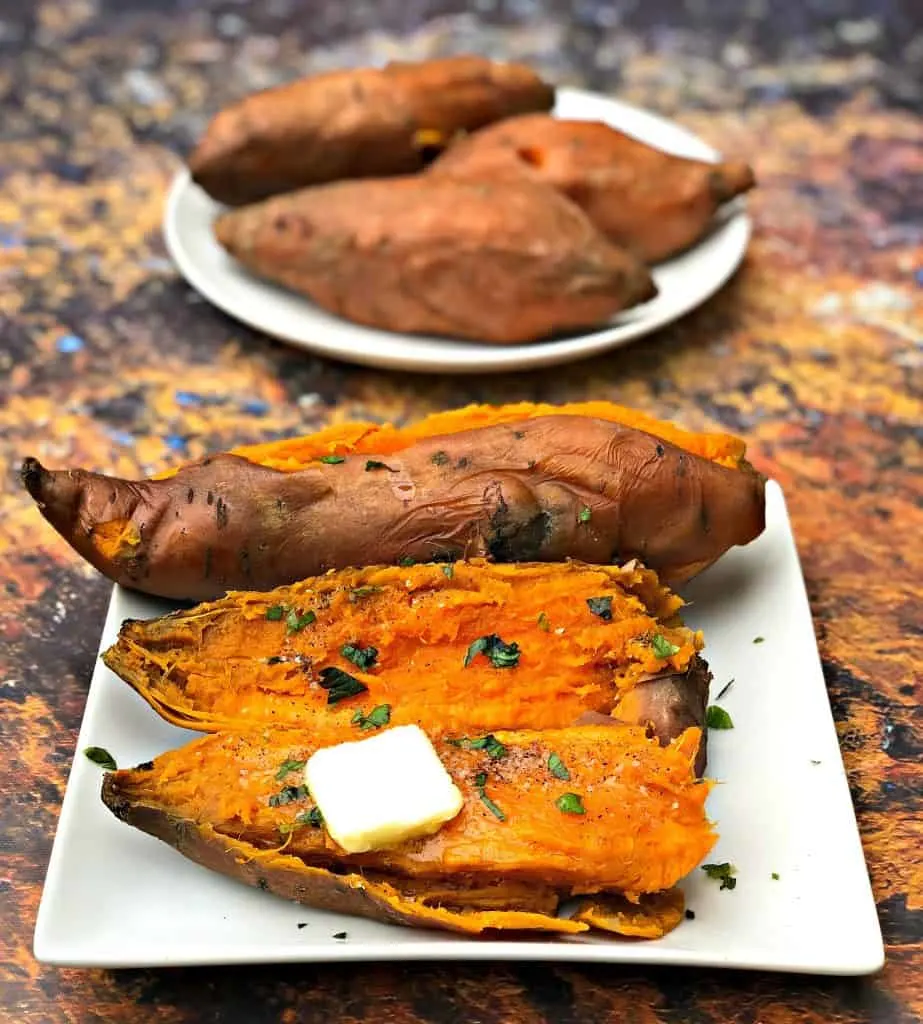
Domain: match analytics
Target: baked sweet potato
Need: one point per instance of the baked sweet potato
(545, 488)
(588, 639)
(504, 263)
(649, 201)
(360, 123)
(642, 825)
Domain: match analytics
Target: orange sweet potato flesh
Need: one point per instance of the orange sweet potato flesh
(359, 123)
(237, 663)
(504, 262)
(649, 201)
(543, 488)
(644, 825)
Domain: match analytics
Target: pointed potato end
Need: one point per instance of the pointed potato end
(730, 179)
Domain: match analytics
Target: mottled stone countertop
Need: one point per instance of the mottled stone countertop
(814, 352)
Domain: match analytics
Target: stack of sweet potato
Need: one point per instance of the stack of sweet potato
(442, 198)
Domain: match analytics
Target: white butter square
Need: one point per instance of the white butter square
(380, 791)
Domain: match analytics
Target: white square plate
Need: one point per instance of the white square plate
(115, 897)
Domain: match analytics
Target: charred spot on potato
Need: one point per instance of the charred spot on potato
(221, 514)
(681, 465)
(463, 463)
(660, 450)
(261, 883)
(190, 496)
(439, 458)
(145, 766)
(209, 498)
(703, 518)
(519, 434)
(517, 541)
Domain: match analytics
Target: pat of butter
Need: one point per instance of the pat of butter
(381, 791)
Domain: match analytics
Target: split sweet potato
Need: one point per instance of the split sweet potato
(359, 123)
(545, 488)
(503, 263)
(588, 639)
(640, 828)
(649, 201)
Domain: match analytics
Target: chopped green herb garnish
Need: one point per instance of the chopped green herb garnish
(814, 762)
(570, 803)
(275, 612)
(501, 655)
(333, 460)
(775, 876)
(490, 743)
(288, 795)
(375, 464)
(359, 592)
(585, 514)
(340, 685)
(102, 757)
(289, 766)
(361, 657)
(717, 718)
(544, 624)
(375, 719)
(339, 935)
(491, 806)
(295, 623)
(448, 571)
(723, 873)
(724, 689)
(407, 561)
(662, 646)
(600, 607)
(313, 817)
(557, 767)
(689, 914)
(480, 781)
(439, 458)
(759, 639)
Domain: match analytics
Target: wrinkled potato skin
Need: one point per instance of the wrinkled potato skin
(361, 123)
(512, 492)
(651, 202)
(503, 263)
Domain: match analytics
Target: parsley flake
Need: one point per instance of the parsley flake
(333, 460)
(775, 876)
(291, 765)
(407, 561)
(488, 743)
(662, 646)
(585, 514)
(448, 571)
(717, 718)
(724, 689)
(558, 768)
(480, 781)
(375, 719)
(358, 593)
(501, 654)
(601, 607)
(759, 639)
(295, 622)
(570, 803)
(439, 458)
(372, 464)
(361, 657)
(102, 757)
(288, 795)
(723, 873)
(544, 623)
(340, 685)
(275, 612)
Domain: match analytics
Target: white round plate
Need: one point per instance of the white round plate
(683, 283)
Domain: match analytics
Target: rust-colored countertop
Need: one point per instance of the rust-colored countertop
(814, 353)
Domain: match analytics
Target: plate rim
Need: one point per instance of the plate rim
(866, 956)
(461, 356)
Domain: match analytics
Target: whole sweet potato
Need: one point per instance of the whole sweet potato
(503, 263)
(649, 201)
(544, 489)
(585, 636)
(360, 123)
(234, 802)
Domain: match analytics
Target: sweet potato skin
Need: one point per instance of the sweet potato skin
(511, 492)
(504, 263)
(545, 490)
(360, 123)
(643, 826)
(421, 622)
(652, 202)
